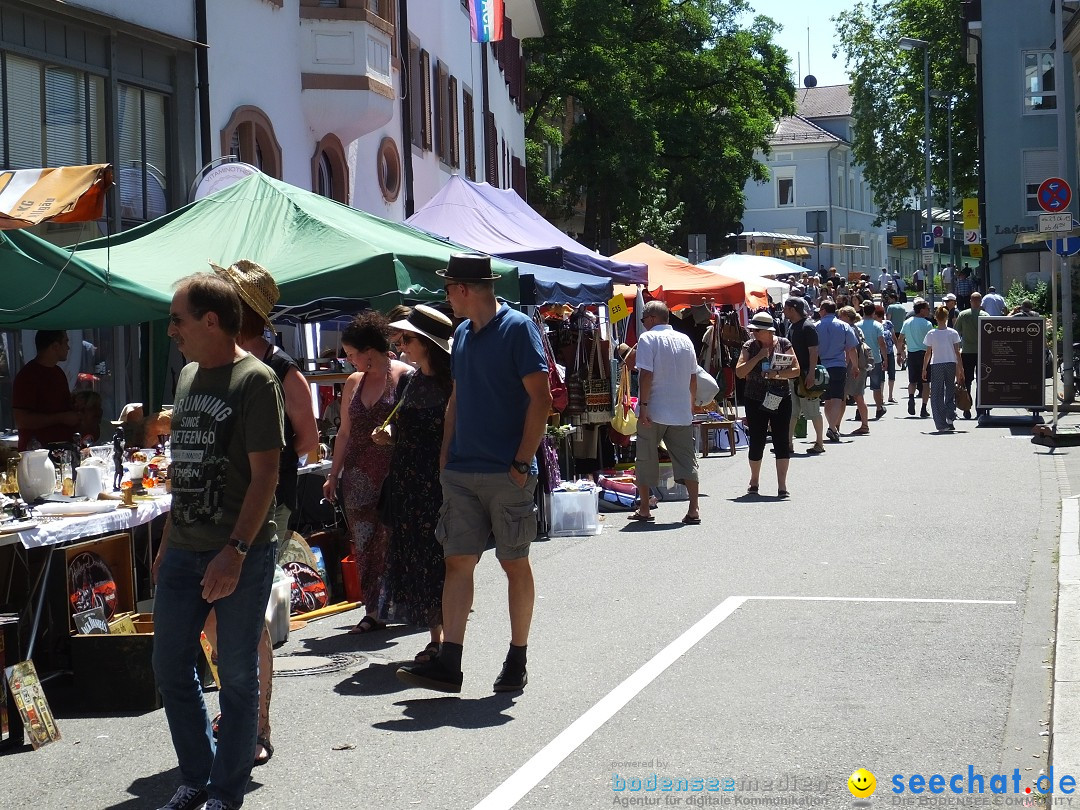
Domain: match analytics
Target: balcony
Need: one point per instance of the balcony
(345, 57)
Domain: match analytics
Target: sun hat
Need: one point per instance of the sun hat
(255, 286)
(127, 411)
(950, 297)
(762, 322)
(429, 322)
(468, 267)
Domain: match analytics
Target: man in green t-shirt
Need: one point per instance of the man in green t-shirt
(967, 324)
(218, 547)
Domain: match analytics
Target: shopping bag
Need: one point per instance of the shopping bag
(624, 420)
(800, 427)
(598, 404)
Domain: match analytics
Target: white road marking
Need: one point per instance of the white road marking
(548, 758)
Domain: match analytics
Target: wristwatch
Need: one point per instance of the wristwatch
(241, 547)
(523, 467)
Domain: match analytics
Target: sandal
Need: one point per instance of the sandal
(752, 489)
(367, 625)
(782, 494)
(639, 516)
(428, 654)
(691, 521)
(863, 431)
(267, 747)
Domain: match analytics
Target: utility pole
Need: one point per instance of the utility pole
(1063, 164)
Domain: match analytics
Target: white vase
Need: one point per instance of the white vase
(37, 475)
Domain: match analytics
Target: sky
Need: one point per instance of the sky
(796, 16)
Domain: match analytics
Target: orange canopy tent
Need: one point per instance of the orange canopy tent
(679, 284)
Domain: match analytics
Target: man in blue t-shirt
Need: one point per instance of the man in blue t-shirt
(912, 345)
(495, 420)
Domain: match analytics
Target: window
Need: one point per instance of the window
(1038, 165)
(468, 114)
(1040, 90)
(785, 187)
(143, 154)
(249, 136)
(330, 170)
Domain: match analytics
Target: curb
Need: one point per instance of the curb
(1065, 719)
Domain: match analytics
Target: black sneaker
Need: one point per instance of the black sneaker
(186, 798)
(512, 678)
(924, 414)
(911, 407)
(967, 414)
(432, 675)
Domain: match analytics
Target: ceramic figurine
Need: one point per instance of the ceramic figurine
(118, 457)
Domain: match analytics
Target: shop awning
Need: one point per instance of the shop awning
(64, 194)
(678, 283)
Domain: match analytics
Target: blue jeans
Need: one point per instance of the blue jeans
(179, 614)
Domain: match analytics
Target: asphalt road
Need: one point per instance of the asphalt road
(895, 614)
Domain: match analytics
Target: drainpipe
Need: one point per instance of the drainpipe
(832, 216)
(485, 103)
(202, 72)
(406, 109)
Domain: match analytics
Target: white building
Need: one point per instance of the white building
(812, 168)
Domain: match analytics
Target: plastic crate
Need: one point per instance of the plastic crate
(575, 514)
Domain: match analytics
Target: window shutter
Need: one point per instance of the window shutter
(468, 114)
(24, 104)
(441, 112)
(491, 149)
(455, 143)
(518, 177)
(425, 72)
(416, 95)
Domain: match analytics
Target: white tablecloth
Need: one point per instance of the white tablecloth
(76, 528)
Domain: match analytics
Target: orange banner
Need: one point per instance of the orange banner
(66, 194)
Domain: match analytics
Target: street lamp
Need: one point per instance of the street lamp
(949, 99)
(910, 44)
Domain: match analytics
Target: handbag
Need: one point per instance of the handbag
(598, 404)
(707, 387)
(575, 385)
(624, 420)
(963, 399)
(556, 383)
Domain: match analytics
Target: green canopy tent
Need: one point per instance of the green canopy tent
(314, 247)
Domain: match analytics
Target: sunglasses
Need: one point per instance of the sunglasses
(407, 337)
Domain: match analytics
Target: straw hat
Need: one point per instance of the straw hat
(255, 286)
(429, 322)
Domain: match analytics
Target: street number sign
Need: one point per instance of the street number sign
(1054, 195)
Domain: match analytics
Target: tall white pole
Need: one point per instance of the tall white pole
(1060, 80)
(926, 115)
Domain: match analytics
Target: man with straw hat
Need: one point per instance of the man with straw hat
(258, 294)
(218, 549)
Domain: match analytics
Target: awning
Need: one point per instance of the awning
(66, 194)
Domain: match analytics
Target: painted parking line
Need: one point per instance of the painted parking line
(529, 775)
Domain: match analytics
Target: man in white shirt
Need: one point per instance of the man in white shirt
(667, 388)
(992, 303)
(885, 279)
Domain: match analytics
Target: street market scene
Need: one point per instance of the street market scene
(539, 404)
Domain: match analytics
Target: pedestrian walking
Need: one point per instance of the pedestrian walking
(837, 345)
(874, 335)
(804, 342)
(218, 547)
(967, 326)
(913, 349)
(993, 303)
(944, 370)
(495, 419)
(767, 363)
(667, 389)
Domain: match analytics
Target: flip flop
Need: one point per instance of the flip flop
(691, 521)
(367, 625)
(426, 655)
(783, 494)
(752, 489)
(269, 748)
(645, 518)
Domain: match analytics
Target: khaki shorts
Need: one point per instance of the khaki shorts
(478, 506)
(810, 407)
(679, 441)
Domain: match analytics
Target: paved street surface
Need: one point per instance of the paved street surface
(897, 614)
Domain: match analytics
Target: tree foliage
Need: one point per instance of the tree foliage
(888, 99)
(657, 107)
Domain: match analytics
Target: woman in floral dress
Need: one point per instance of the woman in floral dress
(415, 569)
(366, 401)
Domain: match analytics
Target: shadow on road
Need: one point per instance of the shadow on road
(155, 790)
(427, 714)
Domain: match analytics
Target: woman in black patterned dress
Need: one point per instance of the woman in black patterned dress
(415, 569)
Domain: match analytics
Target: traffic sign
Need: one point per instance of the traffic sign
(1065, 247)
(1054, 195)
(927, 240)
(939, 234)
(1053, 223)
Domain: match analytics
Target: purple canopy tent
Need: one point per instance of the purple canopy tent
(499, 222)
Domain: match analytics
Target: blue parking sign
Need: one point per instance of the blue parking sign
(927, 240)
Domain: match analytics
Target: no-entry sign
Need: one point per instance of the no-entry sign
(1054, 195)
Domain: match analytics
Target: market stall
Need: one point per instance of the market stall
(678, 283)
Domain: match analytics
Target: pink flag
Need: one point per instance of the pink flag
(486, 20)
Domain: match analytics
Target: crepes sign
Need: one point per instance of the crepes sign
(66, 194)
(1012, 358)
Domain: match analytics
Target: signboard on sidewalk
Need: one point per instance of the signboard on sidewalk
(1011, 364)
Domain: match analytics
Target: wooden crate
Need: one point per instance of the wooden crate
(115, 673)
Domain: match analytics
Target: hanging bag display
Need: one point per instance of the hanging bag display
(624, 420)
(598, 406)
(559, 396)
(575, 385)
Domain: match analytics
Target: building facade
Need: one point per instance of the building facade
(812, 169)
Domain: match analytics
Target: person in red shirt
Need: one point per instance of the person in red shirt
(40, 397)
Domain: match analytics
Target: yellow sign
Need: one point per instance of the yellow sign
(975, 251)
(899, 242)
(617, 309)
(971, 213)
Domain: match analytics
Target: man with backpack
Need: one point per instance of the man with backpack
(805, 400)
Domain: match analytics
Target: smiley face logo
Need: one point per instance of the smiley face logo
(862, 784)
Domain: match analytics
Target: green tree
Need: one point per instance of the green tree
(888, 99)
(657, 108)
